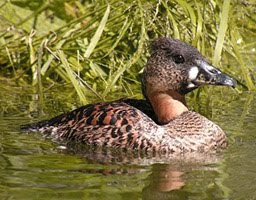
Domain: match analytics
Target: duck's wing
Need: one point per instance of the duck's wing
(115, 124)
(142, 105)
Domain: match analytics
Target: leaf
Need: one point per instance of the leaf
(222, 31)
(97, 34)
(72, 76)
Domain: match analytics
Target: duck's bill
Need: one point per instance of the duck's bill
(205, 74)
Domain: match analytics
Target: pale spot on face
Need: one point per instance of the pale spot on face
(192, 73)
(191, 85)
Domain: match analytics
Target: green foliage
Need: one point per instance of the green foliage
(102, 47)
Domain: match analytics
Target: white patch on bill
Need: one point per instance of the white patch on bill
(191, 85)
(192, 73)
(207, 67)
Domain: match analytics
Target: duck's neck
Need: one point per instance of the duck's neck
(167, 105)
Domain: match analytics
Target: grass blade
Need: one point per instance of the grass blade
(72, 77)
(174, 23)
(240, 60)
(222, 31)
(97, 34)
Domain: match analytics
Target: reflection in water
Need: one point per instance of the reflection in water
(165, 182)
(169, 179)
(165, 178)
(185, 181)
(119, 156)
(168, 174)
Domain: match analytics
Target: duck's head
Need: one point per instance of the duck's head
(174, 69)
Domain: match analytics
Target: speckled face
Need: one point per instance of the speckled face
(177, 66)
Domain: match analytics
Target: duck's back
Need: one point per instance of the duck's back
(120, 124)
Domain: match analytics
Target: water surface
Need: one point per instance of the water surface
(34, 167)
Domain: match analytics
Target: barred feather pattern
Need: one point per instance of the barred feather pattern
(125, 124)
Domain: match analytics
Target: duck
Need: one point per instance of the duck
(162, 122)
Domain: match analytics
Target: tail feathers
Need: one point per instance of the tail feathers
(45, 124)
(35, 126)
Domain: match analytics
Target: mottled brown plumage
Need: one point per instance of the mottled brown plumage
(161, 123)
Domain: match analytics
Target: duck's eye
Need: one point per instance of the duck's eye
(178, 59)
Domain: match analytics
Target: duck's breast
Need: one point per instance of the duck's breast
(192, 132)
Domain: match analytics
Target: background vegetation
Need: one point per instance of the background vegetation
(100, 47)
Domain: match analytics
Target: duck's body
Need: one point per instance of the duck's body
(124, 124)
(162, 122)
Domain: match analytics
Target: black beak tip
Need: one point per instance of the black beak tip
(230, 82)
(226, 80)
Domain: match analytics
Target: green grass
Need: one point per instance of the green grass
(101, 47)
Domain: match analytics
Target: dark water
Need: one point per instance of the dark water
(33, 167)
